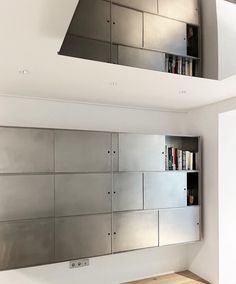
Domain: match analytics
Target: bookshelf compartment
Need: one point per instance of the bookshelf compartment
(192, 189)
(181, 153)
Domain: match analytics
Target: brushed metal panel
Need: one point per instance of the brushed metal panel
(141, 58)
(92, 20)
(115, 151)
(139, 152)
(26, 150)
(83, 236)
(157, 28)
(126, 26)
(143, 5)
(82, 151)
(179, 225)
(26, 243)
(127, 191)
(134, 230)
(165, 189)
(26, 197)
(88, 49)
(78, 194)
(183, 10)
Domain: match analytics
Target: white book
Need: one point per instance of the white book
(180, 159)
(190, 67)
(187, 160)
(191, 161)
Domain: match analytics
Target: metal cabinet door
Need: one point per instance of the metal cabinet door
(82, 151)
(134, 230)
(26, 197)
(82, 236)
(126, 26)
(179, 225)
(139, 152)
(25, 150)
(91, 20)
(165, 189)
(164, 34)
(127, 191)
(88, 49)
(142, 5)
(26, 243)
(183, 10)
(141, 58)
(78, 194)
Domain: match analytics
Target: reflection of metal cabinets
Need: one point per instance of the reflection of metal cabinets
(179, 225)
(133, 230)
(82, 151)
(82, 236)
(126, 26)
(142, 5)
(183, 10)
(92, 20)
(89, 49)
(165, 189)
(26, 243)
(127, 191)
(78, 194)
(26, 150)
(26, 197)
(141, 58)
(141, 152)
(155, 30)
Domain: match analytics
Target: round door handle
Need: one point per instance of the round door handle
(114, 192)
(108, 151)
(109, 234)
(109, 192)
(114, 152)
(184, 188)
(198, 223)
(114, 233)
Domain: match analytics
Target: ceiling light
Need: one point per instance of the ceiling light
(24, 72)
(114, 84)
(182, 92)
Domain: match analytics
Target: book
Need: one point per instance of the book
(190, 67)
(170, 158)
(180, 159)
(184, 160)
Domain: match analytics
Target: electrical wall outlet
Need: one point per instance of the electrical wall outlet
(79, 263)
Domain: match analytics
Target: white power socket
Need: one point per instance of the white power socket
(79, 263)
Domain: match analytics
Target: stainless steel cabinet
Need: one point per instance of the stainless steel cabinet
(139, 152)
(165, 189)
(142, 5)
(82, 236)
(78, 194)
(127, 191)
(134, 230)
(82, 151)
(91, 49)
(26, 197)
(179, 225)
(183, 10)
(26, 150)
(141, 58)
(126, 26)
(92, 20)
(157, 28)
(25, 243)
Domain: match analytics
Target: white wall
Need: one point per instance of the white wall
(226, 12)
(204, 257)
(227, 197)
(108, 269)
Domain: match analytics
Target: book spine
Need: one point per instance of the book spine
(190, 67)
(190, 161)
(170, 158)
(167, 63)
(166, 158)
(174, 159)
(180, 159)
(184, 160)
(180, 65)
(173, 64)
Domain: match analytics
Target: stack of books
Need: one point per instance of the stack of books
(179, 65)
(181, 160)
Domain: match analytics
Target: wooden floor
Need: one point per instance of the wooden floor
(185, 277)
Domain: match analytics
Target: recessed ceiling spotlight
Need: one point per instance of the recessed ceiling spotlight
(182, 92)
(114, 84)
(24, 72)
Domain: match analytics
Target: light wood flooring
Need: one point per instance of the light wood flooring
(184, 277)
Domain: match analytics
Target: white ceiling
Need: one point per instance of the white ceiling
(31, 33)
